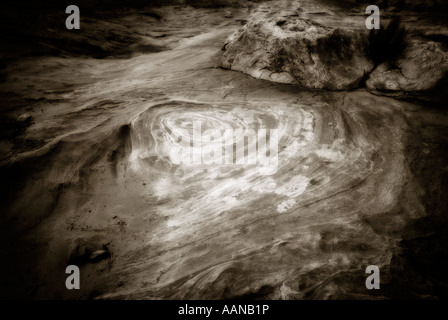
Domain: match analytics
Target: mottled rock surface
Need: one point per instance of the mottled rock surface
(290, 48)
(321, 46)
(422, 66)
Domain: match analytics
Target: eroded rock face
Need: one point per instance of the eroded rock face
(327, 47)
(422, 66)
(300, 51)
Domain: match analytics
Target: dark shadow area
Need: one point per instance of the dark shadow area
(387, 43)
(31, 28)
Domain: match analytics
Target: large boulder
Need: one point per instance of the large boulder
(423, 64)
(296, 50)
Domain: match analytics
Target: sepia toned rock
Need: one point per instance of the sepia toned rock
(90, 119)
(295, 50)
(422, 66)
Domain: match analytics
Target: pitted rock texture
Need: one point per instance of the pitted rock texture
(318, 45)
(296, 50)
(422, 66)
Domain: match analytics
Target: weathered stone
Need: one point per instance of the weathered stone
(300, 51)
(423, 65)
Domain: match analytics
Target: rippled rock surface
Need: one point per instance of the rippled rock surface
(87, 176)
(239, 233)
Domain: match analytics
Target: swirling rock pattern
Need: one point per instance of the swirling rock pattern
(91, 178)
(229, 231)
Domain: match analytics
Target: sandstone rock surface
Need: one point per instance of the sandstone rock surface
(295, 50)
(422, 66)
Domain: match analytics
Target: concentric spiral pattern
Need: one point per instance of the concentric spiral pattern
(230, 230)
(122, 166)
